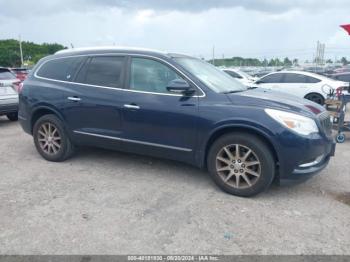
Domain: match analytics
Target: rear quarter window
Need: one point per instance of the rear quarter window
(60, 69)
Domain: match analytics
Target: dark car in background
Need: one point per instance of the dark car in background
(345, 77)
(9, 86)
(176, 107)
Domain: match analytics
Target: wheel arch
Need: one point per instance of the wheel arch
(315, 93)
(41, 111)
(239, 129)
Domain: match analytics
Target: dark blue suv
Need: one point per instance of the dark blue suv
(177, 107)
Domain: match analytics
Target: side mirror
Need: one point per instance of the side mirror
(179, 86)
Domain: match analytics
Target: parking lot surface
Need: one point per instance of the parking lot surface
(105, 202)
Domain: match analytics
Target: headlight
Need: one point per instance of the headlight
(299, 124)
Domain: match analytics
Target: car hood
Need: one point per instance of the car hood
(260, 97)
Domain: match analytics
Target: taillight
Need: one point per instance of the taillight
(339, 91)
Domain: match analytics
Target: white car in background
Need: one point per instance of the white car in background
(9, 85)
(241, 76)
(302, 84)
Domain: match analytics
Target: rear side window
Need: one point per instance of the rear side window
(311, 79)
(274, 78)
(103, 71)
(60, 69)
(295, 78)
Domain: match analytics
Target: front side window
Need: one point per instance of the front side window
(103, 71)
(150, 76)
(273, 78)
(60, 69)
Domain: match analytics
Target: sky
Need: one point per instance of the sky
(248, 28)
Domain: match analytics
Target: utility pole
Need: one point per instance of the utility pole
(214, 55)
(20, 50)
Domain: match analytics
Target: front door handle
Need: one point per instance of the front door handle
(74, 98)
(131, 106)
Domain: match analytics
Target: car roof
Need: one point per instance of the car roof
(103, 49)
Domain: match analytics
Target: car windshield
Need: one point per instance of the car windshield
(211, 76)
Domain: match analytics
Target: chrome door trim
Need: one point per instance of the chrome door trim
(132, 106)
(133, 141)
(72, 98)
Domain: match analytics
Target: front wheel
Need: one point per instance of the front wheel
(51, 139)
(241, 164)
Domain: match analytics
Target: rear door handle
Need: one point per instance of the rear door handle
(74, 98)
(131, 106)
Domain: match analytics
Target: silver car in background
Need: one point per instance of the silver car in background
(9, 85)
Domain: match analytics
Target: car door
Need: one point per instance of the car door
(156, 121)
(300, 84)
(94, 99)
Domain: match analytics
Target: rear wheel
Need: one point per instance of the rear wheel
(12, 116)
(314, 97)
(51, 140)
(241, 164)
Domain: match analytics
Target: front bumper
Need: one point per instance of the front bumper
(307, 157)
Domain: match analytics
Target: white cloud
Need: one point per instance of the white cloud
(239, 29)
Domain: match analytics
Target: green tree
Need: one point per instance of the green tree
(344, 61)
(287, 62)
(10, 53)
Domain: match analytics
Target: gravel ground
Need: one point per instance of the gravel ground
(104, 202)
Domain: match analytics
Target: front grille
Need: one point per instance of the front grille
(326, 123)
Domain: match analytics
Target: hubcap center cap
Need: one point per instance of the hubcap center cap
(236, 166)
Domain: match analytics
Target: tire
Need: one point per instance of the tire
(49, 130)
(260, 176)
(315, 97)
(12, 116)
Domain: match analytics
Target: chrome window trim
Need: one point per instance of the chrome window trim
(120, 89)
(133, 141)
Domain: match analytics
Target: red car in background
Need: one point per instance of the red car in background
(20, 73)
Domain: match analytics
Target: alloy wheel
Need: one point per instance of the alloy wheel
(238, 166)
(49, 138)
